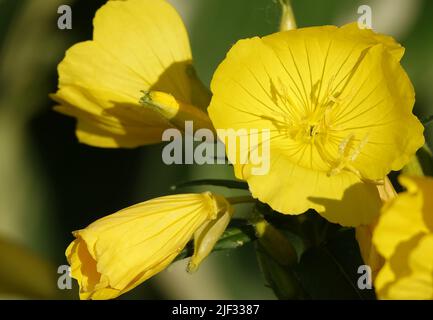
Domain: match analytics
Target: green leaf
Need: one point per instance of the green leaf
(232, 184)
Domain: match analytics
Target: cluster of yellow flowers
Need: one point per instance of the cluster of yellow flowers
(338, 106)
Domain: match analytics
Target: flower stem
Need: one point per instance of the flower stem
(288, 21)
(241, 199)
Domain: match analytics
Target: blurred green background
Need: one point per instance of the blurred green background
(51, 185)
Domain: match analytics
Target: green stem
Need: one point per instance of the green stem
(241, 199)
(232, 184)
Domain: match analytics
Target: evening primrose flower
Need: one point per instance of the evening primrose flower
(134, 79)
(338, 106)
(118, 252)
(404, 237)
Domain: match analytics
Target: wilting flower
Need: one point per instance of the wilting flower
(338, 105)
(134, 79)
(118, 252)
(404, 237)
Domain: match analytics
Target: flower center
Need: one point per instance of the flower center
(311, 129)
(320, 145)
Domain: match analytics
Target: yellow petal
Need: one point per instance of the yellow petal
(369, 37)
(209, 233)
(337, 198)
(404, 237)
(380, 111)
(339, 110)
(83, 267)
(118, 252)
(409, 273)
(149, 38)
(137, 46)
(405, 216)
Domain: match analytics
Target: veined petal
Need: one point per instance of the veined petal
(379, 115)
(149, 38)
(118, 252)
(137, 46)
(336, 103)
(369, 37)
(299, 189)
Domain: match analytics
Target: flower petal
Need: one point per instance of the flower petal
(138, 46)
(409, 272)
(150, 39)
(292, 189)
(405, 216)
(118, 252)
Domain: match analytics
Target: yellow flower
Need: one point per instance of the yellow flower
(138, 47)
(364, 233)
(118, 252)
(404, 237)
(338, 105)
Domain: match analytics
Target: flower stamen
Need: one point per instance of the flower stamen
(347, 155)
